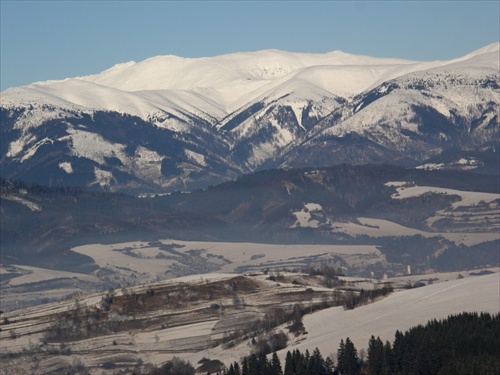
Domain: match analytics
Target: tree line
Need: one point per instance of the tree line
(463, 344)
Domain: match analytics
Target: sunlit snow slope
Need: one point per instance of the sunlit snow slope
(245, 111)
(400, 311)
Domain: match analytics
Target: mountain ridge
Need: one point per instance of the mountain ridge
(122, 82)
(234, 114)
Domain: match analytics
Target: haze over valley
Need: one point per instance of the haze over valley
(255, 202)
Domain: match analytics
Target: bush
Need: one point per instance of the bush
(108, 365)
(176, 366)
(212, 366)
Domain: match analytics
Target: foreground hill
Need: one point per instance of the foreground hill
(408, 308)
(169, 123)
(219, 318)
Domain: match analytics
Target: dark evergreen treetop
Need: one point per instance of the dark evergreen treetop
(463, 344)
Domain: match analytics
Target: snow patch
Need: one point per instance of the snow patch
(396, 183)
(305, 218)
(16, 147)
(102, 178)
(31, 205)
(297, 109)
(196, 157)
(94, 147)
(467, 198)
(377, 228)
(431, 166)
(146, 163)
(66, 167)
(32, 151)
(36, 275)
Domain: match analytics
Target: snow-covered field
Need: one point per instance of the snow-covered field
(23, 284)
(385, 228)
(399, 311)
(37, 274)
(190, 329)
(223, 256)
(135, 263)
(137, 257)
(473, 215)
(139, 263)
(377, 228)
(467, 198)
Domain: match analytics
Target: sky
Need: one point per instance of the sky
(52, 40)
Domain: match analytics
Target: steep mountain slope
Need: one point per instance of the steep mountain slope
(413, 117)
(170, 123)
(110, 151)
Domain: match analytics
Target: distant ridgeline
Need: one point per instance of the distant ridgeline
(262, 207)
(462, 344)
(169, 123)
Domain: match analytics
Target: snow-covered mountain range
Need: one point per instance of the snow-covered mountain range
(170, 123)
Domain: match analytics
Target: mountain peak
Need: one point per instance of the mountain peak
(493, 47)
(172, 122)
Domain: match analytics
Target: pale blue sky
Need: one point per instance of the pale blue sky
(42, 40)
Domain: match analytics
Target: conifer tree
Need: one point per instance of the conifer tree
(341, 356)
(388, 359)
(253, 365)
(398, 352)
(329, 365)
(263, 365)
(299, 362)
(316, 363)
(376, 356)
(347, 358)
(230, 370)
(237, 370)
(244, 367)
(289, 365)
(276, 365)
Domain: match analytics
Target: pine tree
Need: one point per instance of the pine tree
(230, 371)
(329, 365)
(289, 364)
(341, 356)
(347, 358)
(388, 359)
(376, 356)
(398, 350)
(253, 365)
(263, 365)
(237, 370)
(276, 365)
(244, 367)
(316, 363)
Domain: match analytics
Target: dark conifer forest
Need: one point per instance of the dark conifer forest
(463, 344)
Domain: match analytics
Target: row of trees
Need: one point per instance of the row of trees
(468, 343)
(296, 363)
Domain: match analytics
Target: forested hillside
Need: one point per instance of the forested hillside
(462, 344)
(273, 206)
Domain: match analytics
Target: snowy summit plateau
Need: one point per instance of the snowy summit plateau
(171, 123)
